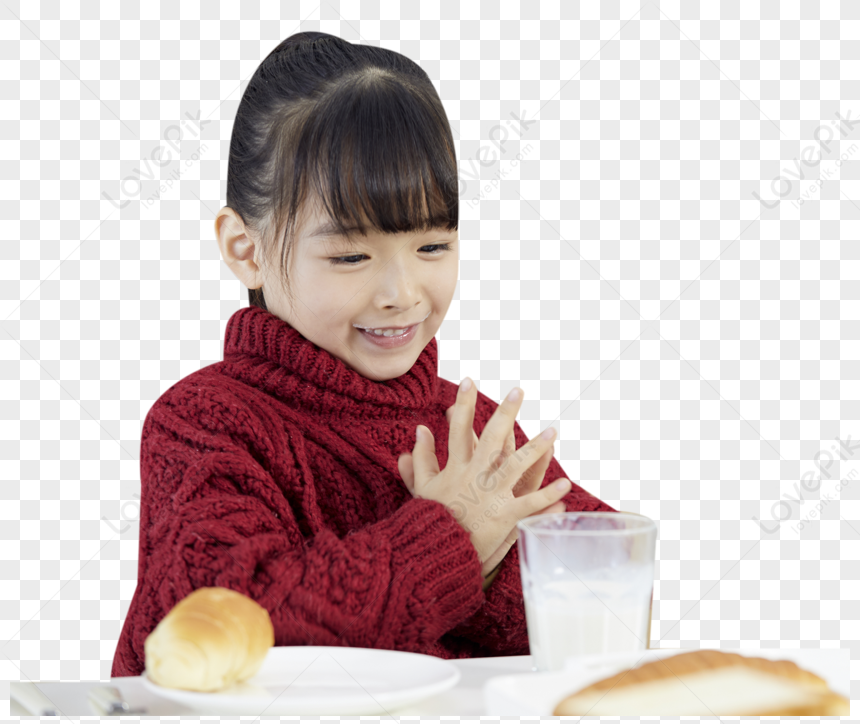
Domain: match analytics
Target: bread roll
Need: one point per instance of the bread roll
(211, 639)
(705, 683)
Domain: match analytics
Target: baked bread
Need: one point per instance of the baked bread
(708, 683)
(211, 639)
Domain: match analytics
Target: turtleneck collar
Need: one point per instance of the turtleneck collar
(267, 352)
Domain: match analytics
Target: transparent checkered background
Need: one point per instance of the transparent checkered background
(653, 252)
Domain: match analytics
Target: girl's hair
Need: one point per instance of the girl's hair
(357, 129)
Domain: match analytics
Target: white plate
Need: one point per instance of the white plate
(538, 693)
(325, 680)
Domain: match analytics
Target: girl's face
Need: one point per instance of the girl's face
(385, 281)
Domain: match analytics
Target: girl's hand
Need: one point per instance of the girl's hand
(527, 483)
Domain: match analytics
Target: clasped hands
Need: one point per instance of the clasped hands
(487, 484)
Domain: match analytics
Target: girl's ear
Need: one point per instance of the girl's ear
(237, 248)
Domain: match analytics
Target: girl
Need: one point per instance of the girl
(304, 469)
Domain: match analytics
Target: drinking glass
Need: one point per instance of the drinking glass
(588, 584)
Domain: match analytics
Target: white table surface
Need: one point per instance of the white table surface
(467, 697)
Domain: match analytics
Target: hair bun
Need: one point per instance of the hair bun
(304, 38)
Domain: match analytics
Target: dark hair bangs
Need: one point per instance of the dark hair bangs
(372, 159)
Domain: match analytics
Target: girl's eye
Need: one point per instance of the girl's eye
(348, 260)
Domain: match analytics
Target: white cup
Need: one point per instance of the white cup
(588, 584)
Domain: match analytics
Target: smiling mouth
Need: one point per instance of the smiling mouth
(388, 331)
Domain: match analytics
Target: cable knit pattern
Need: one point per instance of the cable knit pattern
(274, 473)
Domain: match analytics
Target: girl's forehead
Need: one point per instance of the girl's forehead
(314, 220)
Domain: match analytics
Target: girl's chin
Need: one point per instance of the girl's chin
(385, 365)
(382, 370)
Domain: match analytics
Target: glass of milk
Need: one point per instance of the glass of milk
(588, 582)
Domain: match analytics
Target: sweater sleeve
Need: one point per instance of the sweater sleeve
(216, 511)
(499, 625)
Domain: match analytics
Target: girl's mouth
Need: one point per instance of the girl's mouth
(399, 340)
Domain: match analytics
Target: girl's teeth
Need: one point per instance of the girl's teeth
(389, 333)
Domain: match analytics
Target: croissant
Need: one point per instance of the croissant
(211, 639)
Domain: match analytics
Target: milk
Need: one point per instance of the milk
(574, 618)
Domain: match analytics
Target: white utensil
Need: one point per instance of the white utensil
(108, 701)
(32, 699)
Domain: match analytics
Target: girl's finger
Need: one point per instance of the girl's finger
(448, 414)
(511, 442)
(461, 423)
(544, 498)
(425, 464)
(533, 477)
(559, 507)
(495, 434)
(509, 448)
(512, 468)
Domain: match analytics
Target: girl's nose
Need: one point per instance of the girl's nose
(399, 287)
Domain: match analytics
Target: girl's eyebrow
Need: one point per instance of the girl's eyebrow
(330, 229)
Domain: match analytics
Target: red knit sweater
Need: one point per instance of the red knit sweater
(274, 473)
